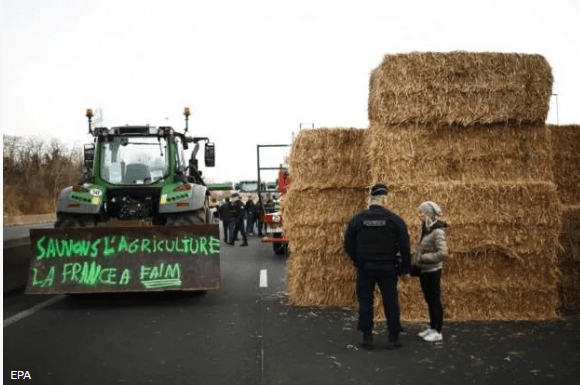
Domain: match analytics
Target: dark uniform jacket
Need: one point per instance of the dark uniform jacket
(239, 211)
(225, 211)
(249, 207)
(377, 237)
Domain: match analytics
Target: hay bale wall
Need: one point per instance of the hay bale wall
(464, 130)
(467, 130)
(460, 88)
(566, 149)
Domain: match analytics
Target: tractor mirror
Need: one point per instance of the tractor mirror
(209, 151)
(89, 154)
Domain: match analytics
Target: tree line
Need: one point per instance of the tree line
(35, 171)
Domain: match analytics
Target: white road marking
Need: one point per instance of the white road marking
(32, 310)
(263, 278)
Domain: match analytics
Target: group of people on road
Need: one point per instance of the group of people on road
(377, 241)
(237, 217)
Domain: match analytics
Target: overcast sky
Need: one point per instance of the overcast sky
(251, 71)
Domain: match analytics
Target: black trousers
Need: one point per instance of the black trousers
(387, 281)
(226, 226)
(237, 226)
(431, 285)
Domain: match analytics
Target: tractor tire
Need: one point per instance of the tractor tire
(75, 221)
(198, 217)
(279, 248)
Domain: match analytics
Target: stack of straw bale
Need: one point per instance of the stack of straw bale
(566, 147)
(467, 130)
(329, 185)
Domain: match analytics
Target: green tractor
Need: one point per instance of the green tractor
(137, 221)
(138, 173)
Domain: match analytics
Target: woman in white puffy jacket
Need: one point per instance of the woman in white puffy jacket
(431, 252)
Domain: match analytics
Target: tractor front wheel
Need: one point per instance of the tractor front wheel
(74, 221)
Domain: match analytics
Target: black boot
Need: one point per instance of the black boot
(367, 340)
(245, 243)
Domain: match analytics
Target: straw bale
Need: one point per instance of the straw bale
(523, 204)
(320, 279)
(328, 239)
(498, 152)
(569, 286)
(516, 203)
(460, 88)
(521, 216)
(517, 238)
(465, 303)
(334, 287)
(314, 282)
(570, 236)
(566, 149)
(517, 242)
(501, 303)
(322, 206)
(329, 158)
(496, 268)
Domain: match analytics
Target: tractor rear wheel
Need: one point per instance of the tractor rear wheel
(198, 217)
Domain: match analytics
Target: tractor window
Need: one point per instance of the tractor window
(181, 162)
(134, 160)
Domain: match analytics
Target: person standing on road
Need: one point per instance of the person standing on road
(258, 215)
(225, 213)
(212, 211)
(249, 216)
(373, 240)
(237, 224)
(431, 252)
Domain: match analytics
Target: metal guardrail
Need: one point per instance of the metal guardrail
(28, 220)
(15, 242)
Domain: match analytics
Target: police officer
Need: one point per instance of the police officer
(238, 220)
(250, 217)
(374, 240)
(258, 215)
(225, 216)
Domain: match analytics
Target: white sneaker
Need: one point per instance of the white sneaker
(433, 337)
(426, 332)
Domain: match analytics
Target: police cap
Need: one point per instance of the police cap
(379, 189)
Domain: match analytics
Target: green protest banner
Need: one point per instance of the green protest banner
(124, 259)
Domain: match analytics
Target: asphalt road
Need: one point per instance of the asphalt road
(247, 334)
